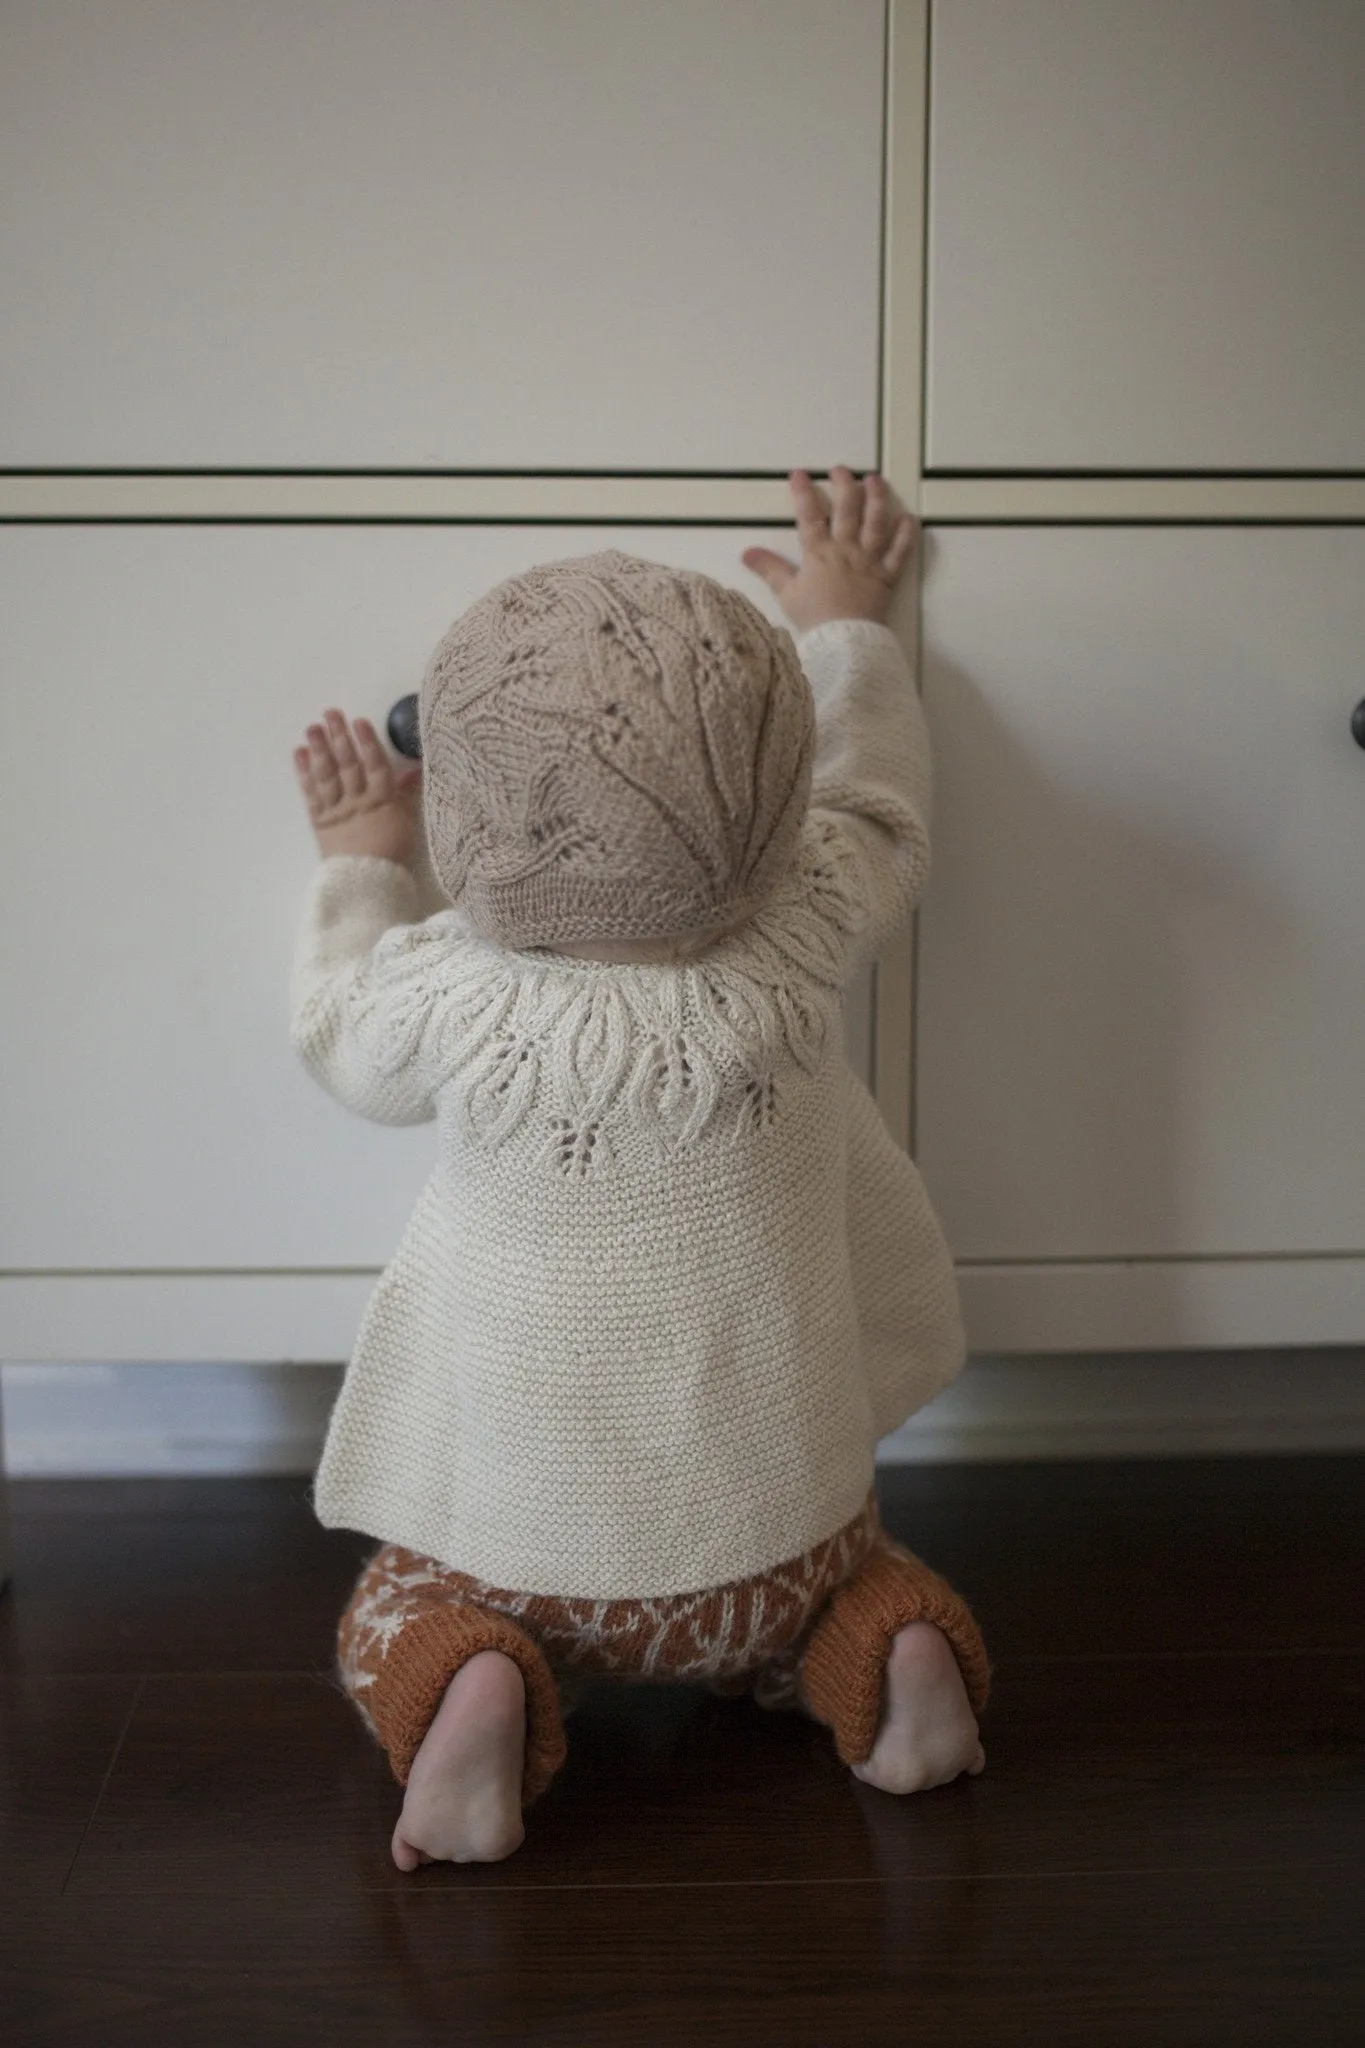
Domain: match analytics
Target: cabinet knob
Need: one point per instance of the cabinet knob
(407, 739)
(1358, 723)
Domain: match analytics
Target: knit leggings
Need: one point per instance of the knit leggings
(814, 1633)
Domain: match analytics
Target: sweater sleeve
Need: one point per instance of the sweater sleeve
(872, 766)
(338, 998)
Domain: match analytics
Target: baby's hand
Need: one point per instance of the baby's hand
(357, 801)
(851, 561)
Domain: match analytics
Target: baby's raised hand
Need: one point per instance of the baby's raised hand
(852, 553)
(357, 800)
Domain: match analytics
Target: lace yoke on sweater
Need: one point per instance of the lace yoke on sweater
(580, 1054)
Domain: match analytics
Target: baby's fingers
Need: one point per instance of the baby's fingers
(303, 769)
(388, 779)
(343, 747)
(902, 546)
(375, 762)
(775, 570)
(812, 516)
(848, 503)
(322, 767)
(876, 527)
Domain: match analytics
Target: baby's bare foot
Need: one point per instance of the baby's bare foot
(927, 1734)
(463, 1801)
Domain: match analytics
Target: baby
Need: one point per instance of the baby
(614, 1403)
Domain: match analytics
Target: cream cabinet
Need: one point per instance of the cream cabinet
(1141, 964)
(1142, 957)
(498, 234)
(186, 1190)
(617, 263)
(1146, 236)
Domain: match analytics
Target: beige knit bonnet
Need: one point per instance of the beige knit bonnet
(613, 750)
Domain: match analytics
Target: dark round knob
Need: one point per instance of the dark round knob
(1358, 723)
(403, 728)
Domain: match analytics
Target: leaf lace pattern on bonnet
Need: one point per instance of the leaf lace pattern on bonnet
(678, 1054)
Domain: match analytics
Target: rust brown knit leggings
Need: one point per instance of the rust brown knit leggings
(813, 1633)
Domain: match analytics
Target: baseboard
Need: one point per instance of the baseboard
(149, 1420)
(146, 1421)
(146, 1454)
(1142, 1405)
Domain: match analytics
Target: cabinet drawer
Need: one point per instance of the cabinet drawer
(579, 233)
(1142, 954)
(1145, 247)
(156, 1117)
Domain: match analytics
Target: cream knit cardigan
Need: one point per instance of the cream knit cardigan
(671, 1277)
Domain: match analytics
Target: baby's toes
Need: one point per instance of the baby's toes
(404, 1854)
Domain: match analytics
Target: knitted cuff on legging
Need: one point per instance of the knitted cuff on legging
(845, 1660)
(419, 1666)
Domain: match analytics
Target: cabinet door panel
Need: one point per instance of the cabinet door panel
(1145, 246)
(157, 681)
(1142, 955)
(316, 233)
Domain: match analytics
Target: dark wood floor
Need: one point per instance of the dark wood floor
(1168, 1846)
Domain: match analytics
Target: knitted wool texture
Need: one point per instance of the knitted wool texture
(612, 750)
(410, 1625)
(841, 1673)
(814, 1632)
(671, 1277)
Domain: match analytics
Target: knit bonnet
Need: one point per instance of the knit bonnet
(613, 750)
